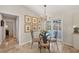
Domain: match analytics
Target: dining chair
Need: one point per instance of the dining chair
(34, 39)
(44, 45)
(55, 40)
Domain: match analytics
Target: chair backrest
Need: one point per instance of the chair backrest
(56, 34)
(32, 34)
(44, 37)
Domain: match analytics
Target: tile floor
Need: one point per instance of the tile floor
(10, 46)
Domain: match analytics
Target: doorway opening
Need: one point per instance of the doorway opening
(10, 30)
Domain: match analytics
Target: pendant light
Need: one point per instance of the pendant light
(45, 16)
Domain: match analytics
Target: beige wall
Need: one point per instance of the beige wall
(19, 11)
(66, 16)
(70, 18)
(76, 36)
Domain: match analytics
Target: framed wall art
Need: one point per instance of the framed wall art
(27, 28)
(39, 20)
(30, 23)
(34, 20)
(35, 28)
(39, 27)
(28, 19)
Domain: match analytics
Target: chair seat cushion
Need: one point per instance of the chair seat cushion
(44, 45)
(53, 40)
(36, 39)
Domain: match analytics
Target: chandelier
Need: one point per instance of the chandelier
(45, 16)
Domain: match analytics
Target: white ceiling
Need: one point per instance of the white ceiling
(51, 9)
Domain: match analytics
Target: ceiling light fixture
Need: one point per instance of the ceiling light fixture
(45, 16)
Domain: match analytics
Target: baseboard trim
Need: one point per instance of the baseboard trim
(68, 44)
(24, 43)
